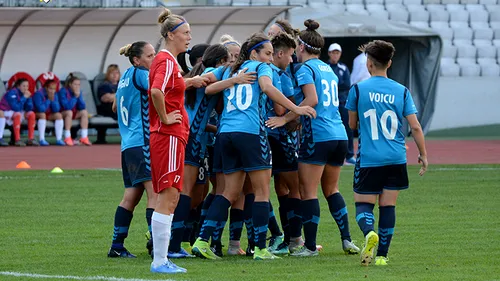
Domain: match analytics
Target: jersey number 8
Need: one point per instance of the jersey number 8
(238, 92)
(331, 93)
(123, 112)
(390, 135)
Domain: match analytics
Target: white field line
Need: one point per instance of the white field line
(69, 277)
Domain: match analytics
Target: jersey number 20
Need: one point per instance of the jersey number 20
(238, 92)
(123, 112)
(388, 134)
(331, 93)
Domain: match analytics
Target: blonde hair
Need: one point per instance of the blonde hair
(111, 69)
(227, 39)
(125, 50)
(169, 22)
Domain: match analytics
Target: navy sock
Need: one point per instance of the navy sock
(260, 217)
(365, 217)
(196, 225)
(310, 221)
(205, 206)
(189, 226)
(386, 224)
(149, 214)
(338, 210)
(123, 217)
(274, 228)
(217, 214)
(235, 224)
(181, 214)
(283, 210)
(294, 216)
(247, 213)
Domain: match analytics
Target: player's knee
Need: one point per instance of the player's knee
(84, 113)
(67, 114)
(1, 114)
(30, 115)
(16, 115)
(57, 116)
(41, 115)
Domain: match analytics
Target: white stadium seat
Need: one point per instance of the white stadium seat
(462, 42)
(380, 14)
(380, 2)
(389, 2)
(459, 15)
(467, 52)
(332, 2)
(260, 2)
(474, 7)
(481, 42)
(419, 16)
(469, 69)
(469, 1)
(479, 25)
(336, 8)
(401, 15)
(459, 24)
(454, 7)
(435, 7)
(486, 52)
(487, 2)
(375, 8)
(439, 15)
(445, 33)
(486, 34)
(450, 51)
(462, 33)
(297, 2)
(420, 24)
(489, 68)
(496, 43)
(450, 1)
(412, 2)
(413, 8)
(439, 24)
(447, 60)
(450, 69)
(241, 3)
(479, 16)
(394, 7)
(356, 9)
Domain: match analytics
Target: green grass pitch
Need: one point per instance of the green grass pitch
(447, 228)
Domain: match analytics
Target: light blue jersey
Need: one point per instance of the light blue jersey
(244, 105)
(283, 83)
(381, 104)
(202, 108)
(327, 125)
(132, 106)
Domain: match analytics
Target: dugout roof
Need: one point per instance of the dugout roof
(418, 51)
(63, 40)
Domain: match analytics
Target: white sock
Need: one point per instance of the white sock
(58, 126)
(2, 127)
(84, 133)
(161, 225)
(41, 128)
(67, 134)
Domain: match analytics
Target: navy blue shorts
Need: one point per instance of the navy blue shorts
(203, 172)
(210, 158)
(373, 180)
(195, 150)
(322, 153)
(283, 153)
(217, 159)
(244, 152)
(136, 166)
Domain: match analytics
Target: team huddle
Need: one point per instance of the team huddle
(245, 113)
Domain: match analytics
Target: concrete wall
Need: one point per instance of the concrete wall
(466, 102)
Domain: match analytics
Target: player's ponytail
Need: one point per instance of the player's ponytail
(71, 78)
(133, 50)
(214, 55)
(310, 38)
(255, 42)
(169, 22)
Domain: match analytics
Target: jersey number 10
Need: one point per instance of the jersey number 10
(238, 92)
(388, 134)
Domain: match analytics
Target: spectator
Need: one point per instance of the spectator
(47, 107)
(73, 107)
(107, 91)
(342, 72)
(15, 105)
(359, 69)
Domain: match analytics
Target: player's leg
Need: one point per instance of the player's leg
(236, 218)
(247, 214)
(17, 118)
(167, 173)
(84, 126)
(68, 123)
(397, 180)
(31, 120)
(150, 208)
(330, 186)
(57, 117)
(3, 121)
(41, 125)
(368, 184)
(344, 114)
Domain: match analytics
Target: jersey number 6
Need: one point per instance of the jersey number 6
(123, 112)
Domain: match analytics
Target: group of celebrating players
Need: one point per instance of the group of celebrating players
(242, 114)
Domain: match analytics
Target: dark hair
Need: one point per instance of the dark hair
(48, 82)
(252, 43)
(70, 79)
(283, 41)
(19, 82)
(310, 38)
(132, 51)
(380, 52)
(287, 27)
(213, 55)
(194, 54)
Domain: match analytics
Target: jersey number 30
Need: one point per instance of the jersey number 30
(123, 112)
(331, 93)
(388, 134)
(238, 92)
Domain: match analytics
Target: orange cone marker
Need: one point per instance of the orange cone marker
(23, 165)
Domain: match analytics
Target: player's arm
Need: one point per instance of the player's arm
(242, 78)
(159, 91)
(211, 128)
(418, 136)
(196, 82)
(40, 106)
(113, 107)
(159, 103)
(266, 85)
(353, 120)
